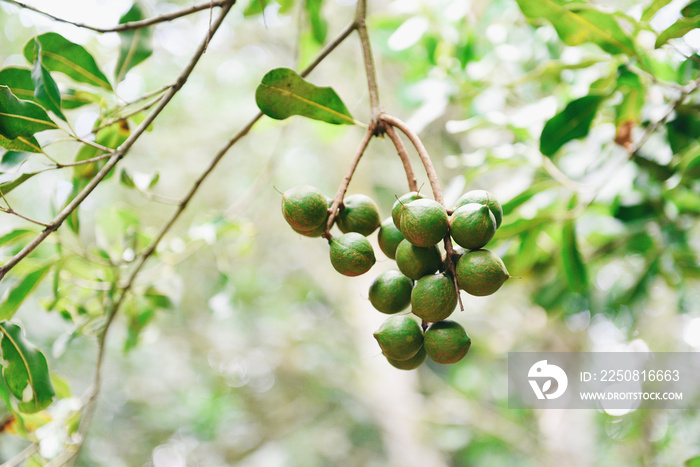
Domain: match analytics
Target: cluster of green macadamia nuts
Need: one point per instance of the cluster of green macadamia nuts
(424, 279)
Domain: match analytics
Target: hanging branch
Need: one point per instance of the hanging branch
(340, 194)
(401, 150)
(132, 25)
(422, 153)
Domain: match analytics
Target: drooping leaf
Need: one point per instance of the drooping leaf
(21, 290)
(23, 143)
(571, 123)
(19, 80)
(135, 45)
(283, 93)
(319, 25)
(61, 55)
(26, 372)
(577, 24)
(21, 118)
(574, 268)
(45, 89)
(653, 8)
(11, 160)
(678, 29)
(9, 182)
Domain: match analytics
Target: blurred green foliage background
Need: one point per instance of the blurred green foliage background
(242, 346)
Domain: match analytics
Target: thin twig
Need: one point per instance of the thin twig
(22, 216)
(422, 153)
(370, 70)
(340, 194)
(93, 144)
(122, 118)
(83, 162)
(403, 154)
(117, 155)
(130, 26)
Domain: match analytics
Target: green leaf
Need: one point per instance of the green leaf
(578, 24)
(633, 92)
(126, 179)
(21, 118)
(319, 26)
(61, 55)
(689, 69)
(572, 123)
(135, 45)
(692, 9)
(20, 82)
(26, 372)
(255, 7)
(682, 132)
(23, 143)
(21, 290)
(45, 88)
(574, 268)
(678, 29)
(12, 159)
(283, 93)
(9, 182)
(653, 8)
(692, 462)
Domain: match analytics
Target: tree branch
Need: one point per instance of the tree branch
(370, 71)
(422, 153)
(120, 152)
(130, 26)
(401, 150)
(22, 216)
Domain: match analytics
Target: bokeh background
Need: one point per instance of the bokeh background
(259, 354)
